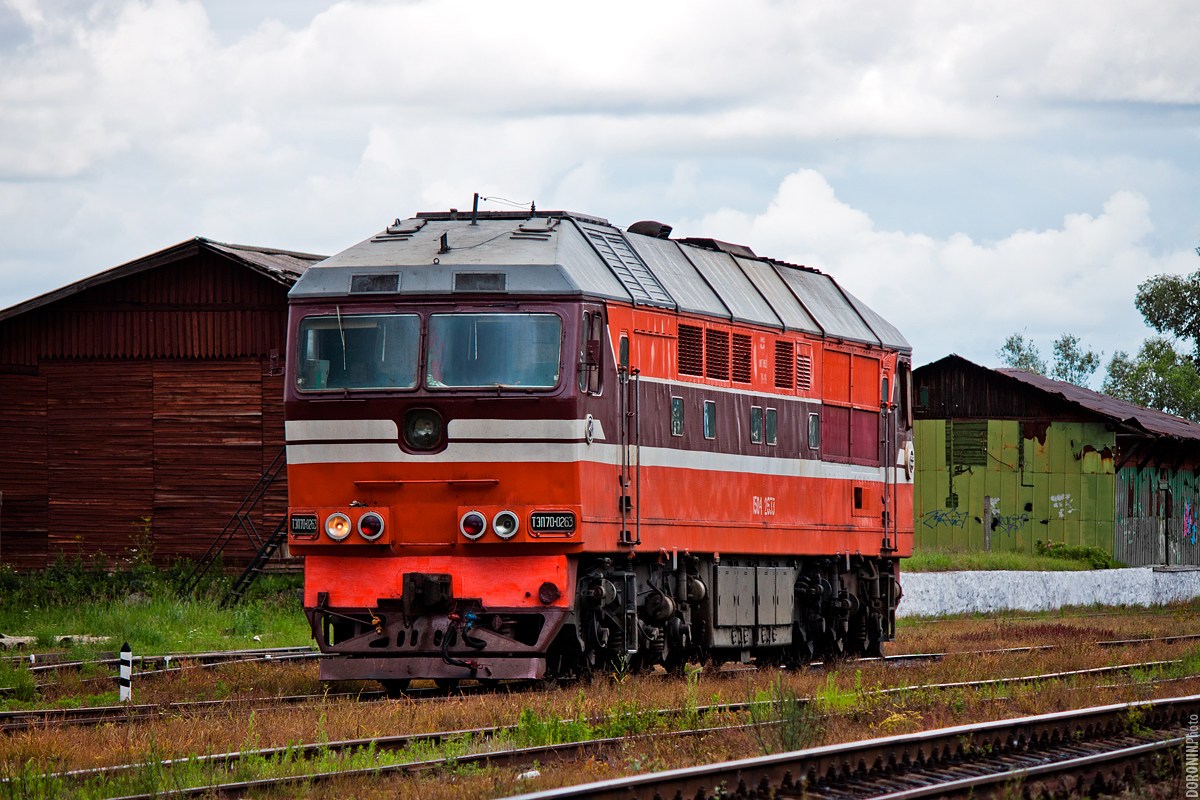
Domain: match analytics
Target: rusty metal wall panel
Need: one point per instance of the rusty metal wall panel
(1156, 512)
(24, 520)
(100, 444)
(208, 452)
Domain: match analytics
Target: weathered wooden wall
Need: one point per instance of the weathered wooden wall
(152, 402)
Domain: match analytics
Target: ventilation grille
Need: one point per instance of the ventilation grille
(716, 354)
(479, 282)
(691, 351)
(783, 365)
(804, 373)
(629, 268)
(362, 284)
(966, 444)
(742, 358)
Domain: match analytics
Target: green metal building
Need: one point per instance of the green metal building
(1006, 458)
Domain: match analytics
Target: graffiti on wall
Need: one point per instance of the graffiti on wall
(958, 519)
(1189, 522)
(951, 517)
(1064, 504)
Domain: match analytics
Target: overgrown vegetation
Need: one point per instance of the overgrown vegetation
(1094, 557)
(952, 560)
(138, 603)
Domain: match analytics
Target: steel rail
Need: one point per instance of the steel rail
(521, 756)
(1094, 766)
(810, 771)
(96, 715)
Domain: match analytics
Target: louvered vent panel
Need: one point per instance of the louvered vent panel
(966, 444)
(716, 354)
(804, 373)
(742, 354)
(691, 351)
(628, 266)
(784, 376)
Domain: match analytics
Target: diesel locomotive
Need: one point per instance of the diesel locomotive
(526, 445)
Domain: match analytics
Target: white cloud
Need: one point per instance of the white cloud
(127, 125)
(958, 295)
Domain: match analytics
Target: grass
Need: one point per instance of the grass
(951, 560)
(139, 605)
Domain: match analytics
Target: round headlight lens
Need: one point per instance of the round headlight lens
(422, 429)
(505, 524)
(370, 526)
(472, 525)
(337, 526)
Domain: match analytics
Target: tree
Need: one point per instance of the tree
(1171, 305)
(1160, 377)
(1021, 353)
(1072, 364)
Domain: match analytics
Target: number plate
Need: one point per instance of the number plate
(561, 522)
(304, 526)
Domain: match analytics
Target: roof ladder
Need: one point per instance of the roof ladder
(612, 246)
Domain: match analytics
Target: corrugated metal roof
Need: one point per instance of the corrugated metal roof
(284, 266)
(558, 252)
(1157, 422)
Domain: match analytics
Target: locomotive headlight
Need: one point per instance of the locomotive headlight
(422, 429)
(370, 526)
(505, 524)
(472, 525)
(337, 526)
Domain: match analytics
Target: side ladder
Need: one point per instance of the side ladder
(240, 521)
(255, 568)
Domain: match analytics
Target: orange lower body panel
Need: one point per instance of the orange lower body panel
(504, 581)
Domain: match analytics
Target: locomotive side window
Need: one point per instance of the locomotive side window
(591, 353)
(756, 425)
(378, 351)
(494, 350)
(710, 419)
(677, 416)
(772, 426)
(624, 351)
(814, 431)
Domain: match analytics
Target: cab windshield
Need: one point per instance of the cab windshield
(501, 350)
(378, 351)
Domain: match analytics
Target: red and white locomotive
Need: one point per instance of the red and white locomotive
(521, 445)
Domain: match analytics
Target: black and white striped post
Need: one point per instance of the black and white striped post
(126, 673)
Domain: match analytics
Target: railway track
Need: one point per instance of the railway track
(1104, 745)
(1096, 749)
(99, 715)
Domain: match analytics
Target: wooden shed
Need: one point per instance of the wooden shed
(145, 400)
(1006, 457)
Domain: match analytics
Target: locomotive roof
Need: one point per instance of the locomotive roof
(563, 253)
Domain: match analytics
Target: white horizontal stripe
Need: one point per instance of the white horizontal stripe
(567, 452)
(522, 429)
(300, 430)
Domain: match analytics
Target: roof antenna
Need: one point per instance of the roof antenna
(475, 210)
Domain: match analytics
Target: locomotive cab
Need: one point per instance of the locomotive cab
(525, 446)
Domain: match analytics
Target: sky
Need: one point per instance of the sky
(968, 169)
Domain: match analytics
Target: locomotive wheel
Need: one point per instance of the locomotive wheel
(489, 683)
(395, 688)
(446, 684)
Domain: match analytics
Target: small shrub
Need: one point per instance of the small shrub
(1094, 556)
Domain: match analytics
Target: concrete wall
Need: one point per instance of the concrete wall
(933, 593)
